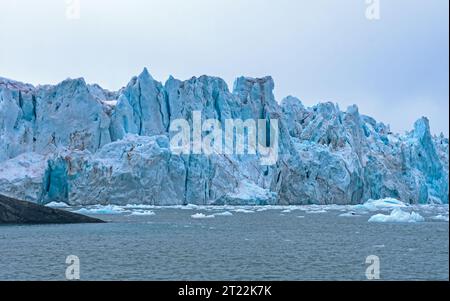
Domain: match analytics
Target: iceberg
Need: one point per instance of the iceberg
(190, 207)
(397, 216)
(226, 213)
(381, 204)
(441, 217)
(201, 216)
(136, 206)
(143, 213)
(241, 210)
(102, 210)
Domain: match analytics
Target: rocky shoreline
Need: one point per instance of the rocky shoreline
(14, 211)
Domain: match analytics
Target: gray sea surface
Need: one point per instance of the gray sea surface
(250, 244)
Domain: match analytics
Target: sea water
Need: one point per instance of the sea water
(229, 244)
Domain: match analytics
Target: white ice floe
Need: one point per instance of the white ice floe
(136, 206)
(226, 213)
(381, 204)
(241, 210)
(190, 207)
(57, 205)
(441, 217)
(201, 216)
(397, 216)
(143, 213)
(99, 209)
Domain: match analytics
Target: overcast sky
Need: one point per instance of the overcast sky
(395, 68)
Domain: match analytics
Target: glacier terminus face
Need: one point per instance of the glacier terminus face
(80, 144)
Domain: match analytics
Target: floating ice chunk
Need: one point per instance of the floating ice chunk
(143, 213)
(300, 216)
(334, 207)
(98, 209)
(381, 204)
(135, 206)
(387, 202)
(441, 217)
(57, 205)
(226, 213)
(190, 207)
(286, 211)
(240, 210)
(201, 216)
(349, 214)
(397, 216)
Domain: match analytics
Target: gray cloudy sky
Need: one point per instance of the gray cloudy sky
(395, 69)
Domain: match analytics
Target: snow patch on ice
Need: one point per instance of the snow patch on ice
(111, 103)
(57, 205)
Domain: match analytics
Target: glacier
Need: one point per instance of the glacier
(79, 144)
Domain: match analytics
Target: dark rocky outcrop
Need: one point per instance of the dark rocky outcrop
(13, 211)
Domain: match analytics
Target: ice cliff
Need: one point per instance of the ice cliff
(80, 144)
